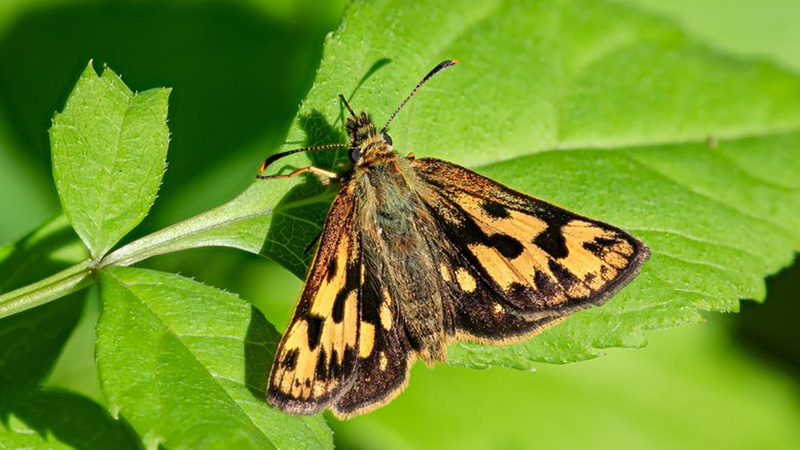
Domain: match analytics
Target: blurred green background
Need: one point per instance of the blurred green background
(238, 70)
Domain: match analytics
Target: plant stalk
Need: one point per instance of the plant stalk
(55, 286)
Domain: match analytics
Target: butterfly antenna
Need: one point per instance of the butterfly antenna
(442, 65)
(347, 105)
(314, 148)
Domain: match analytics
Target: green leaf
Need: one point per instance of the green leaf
(109, 149)
(49, 420)
(769, 25)
(31, 342)
(187, 365)
(637, 124)
(693, 389)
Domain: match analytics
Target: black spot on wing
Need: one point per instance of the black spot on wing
(552, 241)
(506, 245)
(600, 245)
(565, 277)
(332, 267)
(321, 369)
(465, 230)
(370, 300)
(289, 361)
(351, 283)
(349, 359)
(595, 248)
(335, 369)
(338, 306)
(544, 284)
(606, 242)
(315, 324)
(495, 210)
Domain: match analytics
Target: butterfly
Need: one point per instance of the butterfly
(417, 253)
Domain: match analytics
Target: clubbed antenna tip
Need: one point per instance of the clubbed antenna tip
(439, 67)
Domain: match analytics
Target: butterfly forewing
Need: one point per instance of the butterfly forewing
(316, 359)
(523, 256)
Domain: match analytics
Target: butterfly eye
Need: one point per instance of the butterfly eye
(387, 138)
(355, 154)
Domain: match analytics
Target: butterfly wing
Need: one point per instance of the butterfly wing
(385, 354)
(316, 359)
(516, 263)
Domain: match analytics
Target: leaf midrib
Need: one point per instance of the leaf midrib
(107, 176)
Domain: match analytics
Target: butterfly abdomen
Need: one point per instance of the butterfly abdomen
(395, 235)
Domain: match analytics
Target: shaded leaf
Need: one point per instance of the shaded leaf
(60, 420)
(31, 342)
(51, 247)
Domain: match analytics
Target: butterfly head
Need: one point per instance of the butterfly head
(365, 138)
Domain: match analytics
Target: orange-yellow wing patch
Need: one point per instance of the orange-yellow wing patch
(316, 359)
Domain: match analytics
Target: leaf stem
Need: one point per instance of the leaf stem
(55, 286)
(241, 223)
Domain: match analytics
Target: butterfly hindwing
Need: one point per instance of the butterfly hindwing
(385, 355)
(316, 359)
(525, 257)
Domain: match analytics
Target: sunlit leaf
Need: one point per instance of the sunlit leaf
(109, 150)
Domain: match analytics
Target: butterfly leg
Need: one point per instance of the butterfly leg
(325, 176)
